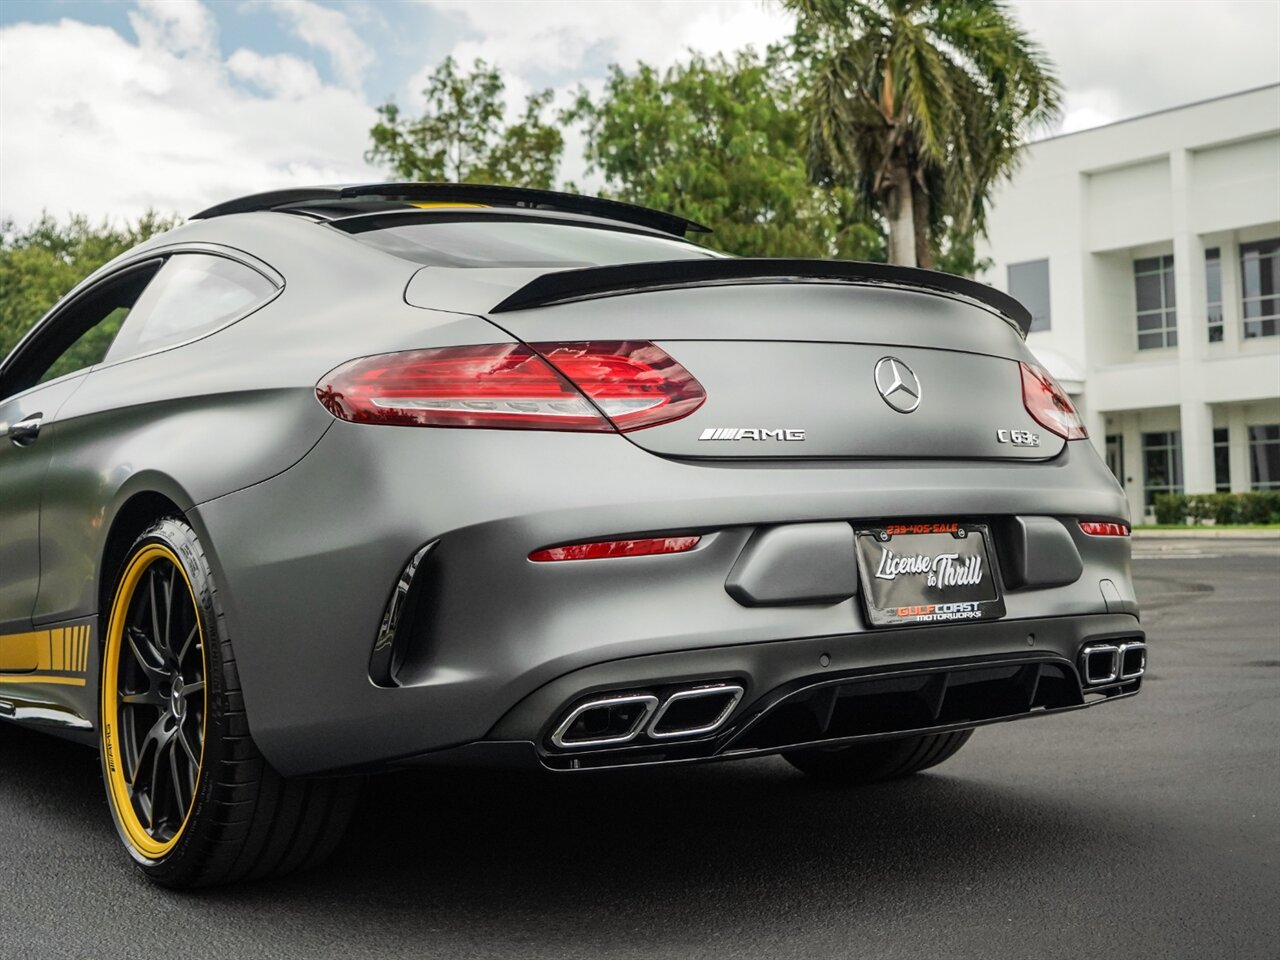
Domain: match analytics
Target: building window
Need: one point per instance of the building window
(1029, 284)
(1157, 313)
(1213, 293)
(1264, 456)
(1260, 288)
(1161, 465)
(1221, 459)
(1115, 455)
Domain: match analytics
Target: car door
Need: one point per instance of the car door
(36, 379)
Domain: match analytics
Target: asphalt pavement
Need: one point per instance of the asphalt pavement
(1144, 828)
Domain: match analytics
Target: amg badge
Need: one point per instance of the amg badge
(751, 433)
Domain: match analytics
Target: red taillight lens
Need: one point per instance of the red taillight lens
(635, 383)
(616, 548)
(1098, 528)
(1049, 404)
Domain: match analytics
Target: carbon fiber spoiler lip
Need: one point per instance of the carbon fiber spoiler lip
(565, 286)
(460, 193)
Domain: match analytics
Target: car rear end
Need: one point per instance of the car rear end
(684, 520)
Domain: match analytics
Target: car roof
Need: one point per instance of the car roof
(335, 203)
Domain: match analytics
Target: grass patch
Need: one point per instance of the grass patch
(1204, 526)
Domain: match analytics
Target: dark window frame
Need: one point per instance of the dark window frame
(1264, 324)
(1212, 305)
(1164, 333)
(1167, 446)
(1264, 456)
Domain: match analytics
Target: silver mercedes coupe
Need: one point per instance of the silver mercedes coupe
(337, 480)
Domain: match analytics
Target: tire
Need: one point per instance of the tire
(193, 800)
(879, 760)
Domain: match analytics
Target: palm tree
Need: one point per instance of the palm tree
(922, 105)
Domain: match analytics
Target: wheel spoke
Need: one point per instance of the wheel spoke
(190, 688)
(191, 756)
(186, 644)
(155, 610)
(180, 802)
(149, 698)
(133, 635)
(168, 611)
(156, 735)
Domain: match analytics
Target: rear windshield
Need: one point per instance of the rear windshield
(470, 243)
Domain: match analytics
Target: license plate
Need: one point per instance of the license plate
(928, 572)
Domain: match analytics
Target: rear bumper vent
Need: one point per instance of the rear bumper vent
(910, 702)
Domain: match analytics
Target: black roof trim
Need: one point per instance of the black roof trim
(461, 193)
(563, 286)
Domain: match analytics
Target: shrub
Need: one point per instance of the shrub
(1256, 507)
(1225, 509)
(1171, 508)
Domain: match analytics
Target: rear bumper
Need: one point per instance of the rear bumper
(307, 561)
(838, 689)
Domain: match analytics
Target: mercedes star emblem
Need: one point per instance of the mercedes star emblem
(898, 384)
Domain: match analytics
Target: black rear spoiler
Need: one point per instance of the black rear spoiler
(481, 193)
(564, 286)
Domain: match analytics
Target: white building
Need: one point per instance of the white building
(1149, 254)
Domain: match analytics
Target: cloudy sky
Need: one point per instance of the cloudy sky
(109, 107)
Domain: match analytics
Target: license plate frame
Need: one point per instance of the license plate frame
(928, 573)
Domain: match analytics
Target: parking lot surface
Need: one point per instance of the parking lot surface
(1144, 828)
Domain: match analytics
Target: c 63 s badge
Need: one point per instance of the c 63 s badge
(753, 433)
(1019, 438)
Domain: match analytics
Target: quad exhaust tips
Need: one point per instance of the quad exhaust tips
(615, 719)
(689, 713)
(1102, 663)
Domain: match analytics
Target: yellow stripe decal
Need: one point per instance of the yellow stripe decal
(32, 656)
(41, 679)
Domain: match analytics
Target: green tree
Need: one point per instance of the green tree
(42, 262)
(722, 142)
(921, 106)
(462, 135)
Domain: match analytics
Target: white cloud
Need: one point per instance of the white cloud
(281, 75)
(329, 30)
(560, 37)
(181, 26)
(1124, 59)
(95, 123)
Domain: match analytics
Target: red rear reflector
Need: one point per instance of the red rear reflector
(1104, 529)
(631, 384)
(616, 548)
(1049, 404)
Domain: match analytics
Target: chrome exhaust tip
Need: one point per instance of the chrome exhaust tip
(1133, 659)
(1100, 663)
(699, 710)
(605, 721)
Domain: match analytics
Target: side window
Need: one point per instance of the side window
(80, 333)
(192, 295)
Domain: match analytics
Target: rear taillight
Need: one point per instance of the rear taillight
(1049, 404)
(1104, 528)
(630, 385)
(616, 548)
(634, 383)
